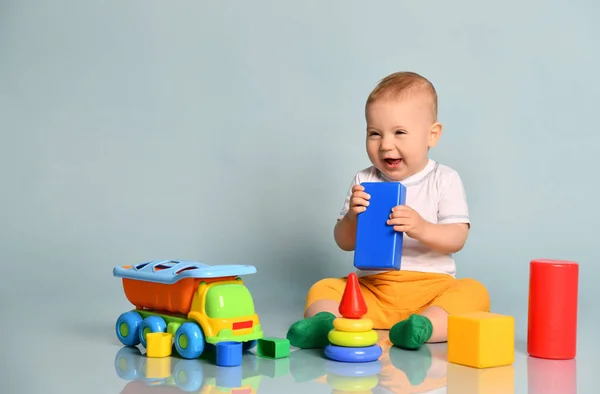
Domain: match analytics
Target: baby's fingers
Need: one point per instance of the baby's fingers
(358, 201)
(358, 209)
(362, 195)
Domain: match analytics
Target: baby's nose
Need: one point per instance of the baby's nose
(385, 146)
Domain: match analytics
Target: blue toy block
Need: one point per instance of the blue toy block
(229, 354)
(378, 245)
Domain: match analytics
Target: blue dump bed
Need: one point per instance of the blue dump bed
(171, 271)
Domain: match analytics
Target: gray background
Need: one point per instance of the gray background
(228, 132)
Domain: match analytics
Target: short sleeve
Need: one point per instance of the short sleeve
(453, 207)
(346, 205)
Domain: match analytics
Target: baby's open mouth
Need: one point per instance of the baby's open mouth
(392, 162)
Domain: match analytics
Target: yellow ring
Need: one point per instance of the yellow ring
(353, 339)
(352, 384)
(353, 325)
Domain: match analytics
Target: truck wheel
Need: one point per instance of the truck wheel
(189, 340)
(151, 324)
(127, 328)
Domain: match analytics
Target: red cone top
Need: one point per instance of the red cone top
(353, 305)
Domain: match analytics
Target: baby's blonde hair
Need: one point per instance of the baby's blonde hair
(403, 84)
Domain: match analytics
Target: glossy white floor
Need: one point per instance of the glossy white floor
(58, 353)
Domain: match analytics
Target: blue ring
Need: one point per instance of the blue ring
(353, 354)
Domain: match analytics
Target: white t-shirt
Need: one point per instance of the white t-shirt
(438, 195)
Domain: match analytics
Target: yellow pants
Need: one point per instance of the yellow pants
(394, 296)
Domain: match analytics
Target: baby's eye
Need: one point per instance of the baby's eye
(400, 132)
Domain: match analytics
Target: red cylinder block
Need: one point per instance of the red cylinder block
(552, 322)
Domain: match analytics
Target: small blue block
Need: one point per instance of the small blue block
(378, 245)
(229, 354)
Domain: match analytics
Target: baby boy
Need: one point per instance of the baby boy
(413, 303)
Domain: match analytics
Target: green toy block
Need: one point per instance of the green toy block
(273, 347)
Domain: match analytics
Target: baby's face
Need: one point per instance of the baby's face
(399, 135)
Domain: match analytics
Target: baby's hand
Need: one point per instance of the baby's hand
(358, 201)
(407, 220)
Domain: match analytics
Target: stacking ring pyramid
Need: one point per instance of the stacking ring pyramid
(353, 339)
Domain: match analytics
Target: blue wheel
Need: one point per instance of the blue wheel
(189, 340)
(151, 324)
(128, 327)
(249, 345)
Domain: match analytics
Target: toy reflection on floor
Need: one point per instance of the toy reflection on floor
(397, 371)
(171, 375)
(425, 370)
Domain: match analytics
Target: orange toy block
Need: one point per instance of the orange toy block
(481, 339)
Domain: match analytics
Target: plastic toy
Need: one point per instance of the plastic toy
(352, 339)
(273, 348)
(195, 302)
(552, 319)
(229, 354)
(353, 306)
(348, 354)
(159, 344)
(378, 246)
(481, 339)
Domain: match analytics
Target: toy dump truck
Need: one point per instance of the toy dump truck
(195, 302)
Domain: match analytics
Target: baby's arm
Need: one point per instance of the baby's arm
(345, 232)
(444, 237)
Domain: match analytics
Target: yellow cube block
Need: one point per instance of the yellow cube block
(481, 339)
(159, 344)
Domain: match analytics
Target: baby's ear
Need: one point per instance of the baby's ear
(435, 132)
